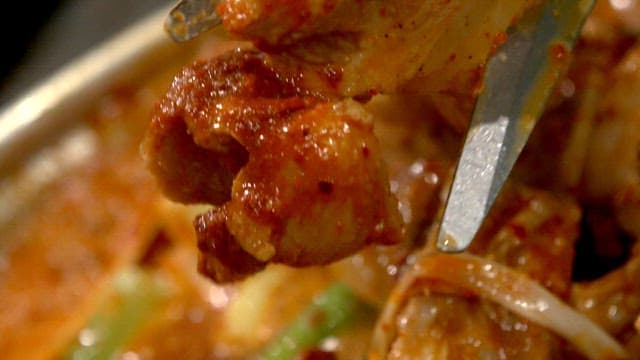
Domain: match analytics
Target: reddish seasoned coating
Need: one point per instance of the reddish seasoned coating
(223, 259)
(435, 48)
(356, 37)
(188, 122)
(532, 231)
(298, 178)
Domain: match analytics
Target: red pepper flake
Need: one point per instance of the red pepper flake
(476, 79)
(365, 151)
(316, 354)
(518, 230)
(498, 40)
(328, 6)
(325, 187)
(333, 75)
(559, 52)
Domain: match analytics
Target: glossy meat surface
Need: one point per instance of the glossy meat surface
(436, 320)
(309, 186)
(436, 48)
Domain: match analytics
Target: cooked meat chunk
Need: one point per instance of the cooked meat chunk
(435, 48)
(296, 178)
(293, 169)
(222, 259)
(529, 230)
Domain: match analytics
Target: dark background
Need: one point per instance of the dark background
(41, 36)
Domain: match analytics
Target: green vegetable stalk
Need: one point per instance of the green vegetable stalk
(137, 295)
(337, 308)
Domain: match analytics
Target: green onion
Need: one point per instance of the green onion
(337, 308)
(136, 296)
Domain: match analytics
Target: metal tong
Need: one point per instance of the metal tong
(190, 18)
(518, 79)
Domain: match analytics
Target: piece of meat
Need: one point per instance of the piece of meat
(448, 327)
(418, 150)
(435, 47)
(611, 173)
(297, 178)
(531, 231)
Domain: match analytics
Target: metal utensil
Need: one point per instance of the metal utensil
(517, 82)
(190, 18)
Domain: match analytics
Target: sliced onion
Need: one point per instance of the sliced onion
(466, 274)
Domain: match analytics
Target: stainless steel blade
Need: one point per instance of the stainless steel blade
(517, 82)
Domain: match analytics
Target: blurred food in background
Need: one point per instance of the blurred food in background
(95, 262)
